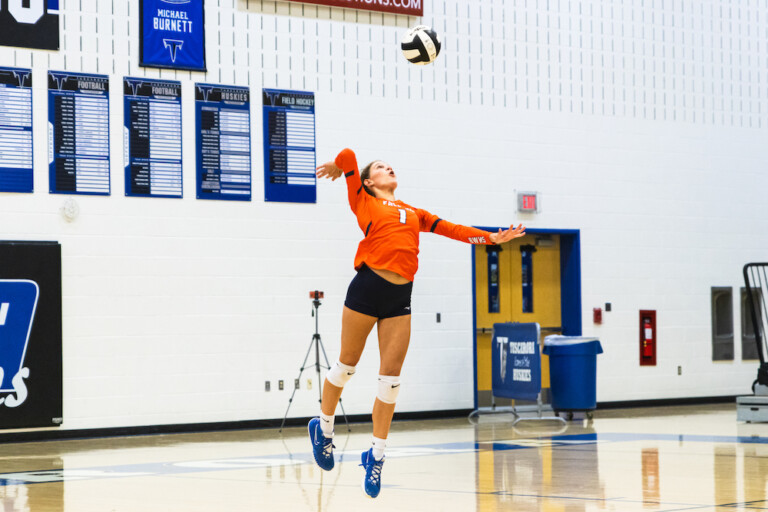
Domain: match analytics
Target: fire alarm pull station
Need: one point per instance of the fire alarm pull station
(647, 337)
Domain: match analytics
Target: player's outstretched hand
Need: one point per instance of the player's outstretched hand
(507, 234)
(329, 170)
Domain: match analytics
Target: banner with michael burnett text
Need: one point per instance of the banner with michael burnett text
(408, 7)
(173, 34)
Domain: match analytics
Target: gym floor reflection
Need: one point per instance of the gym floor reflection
(667, 459)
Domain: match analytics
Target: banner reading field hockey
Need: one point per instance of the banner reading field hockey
(408, 7)
(289, 146)
(173, 34)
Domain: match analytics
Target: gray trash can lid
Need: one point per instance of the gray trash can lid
(556, 340)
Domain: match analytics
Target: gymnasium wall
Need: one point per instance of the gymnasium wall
(643, 124)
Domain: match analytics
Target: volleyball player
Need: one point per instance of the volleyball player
(380, 293)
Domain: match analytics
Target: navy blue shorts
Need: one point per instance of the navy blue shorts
(372, 295)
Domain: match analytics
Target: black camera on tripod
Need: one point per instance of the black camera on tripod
(317, 345)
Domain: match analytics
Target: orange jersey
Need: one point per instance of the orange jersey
(392, 227)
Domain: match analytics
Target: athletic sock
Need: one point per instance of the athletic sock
(378, 448)
(326, 424)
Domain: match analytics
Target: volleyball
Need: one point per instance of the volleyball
(421, 45)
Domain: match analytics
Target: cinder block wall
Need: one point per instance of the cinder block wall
(641, 124)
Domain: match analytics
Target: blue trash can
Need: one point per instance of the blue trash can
(573, 371)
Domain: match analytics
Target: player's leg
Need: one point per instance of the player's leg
(355, 328)
(394, 337)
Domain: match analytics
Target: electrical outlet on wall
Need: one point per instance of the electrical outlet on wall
(280, 385)
(296, 383)
(679, 370)
(309, 383)
(267, 386)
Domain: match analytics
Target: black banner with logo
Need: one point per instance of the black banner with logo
(30, 331)
(30, 24)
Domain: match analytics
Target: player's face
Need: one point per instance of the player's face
(383, 176)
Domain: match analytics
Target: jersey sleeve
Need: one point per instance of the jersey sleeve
(432, 223)
(347, 162)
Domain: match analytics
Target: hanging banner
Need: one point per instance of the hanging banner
(407, 7)
(289, 146)
(152, 137)
(30, 332)
(223, 116)
(172, 34)
(78, 133)
(30, 24)
(16, 130)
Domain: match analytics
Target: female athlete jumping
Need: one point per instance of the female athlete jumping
(380, 293)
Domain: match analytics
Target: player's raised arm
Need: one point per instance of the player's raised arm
(346, 164)
(328, 170)
(470, 235)
(508, 234)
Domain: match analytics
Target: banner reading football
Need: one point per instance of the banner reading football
(409, 7)
(173, 34)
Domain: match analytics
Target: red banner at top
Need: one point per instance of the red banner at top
(408, 7)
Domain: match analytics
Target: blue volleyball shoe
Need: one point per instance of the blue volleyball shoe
(372, 480)
(322, 447)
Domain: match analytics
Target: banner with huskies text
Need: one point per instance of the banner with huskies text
(173, 34)
(407, 7)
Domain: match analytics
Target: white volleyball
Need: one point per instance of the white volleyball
(421, 45)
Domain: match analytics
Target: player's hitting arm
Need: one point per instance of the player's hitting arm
(434, 224)
(345, 164)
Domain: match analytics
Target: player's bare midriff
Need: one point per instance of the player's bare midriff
(392, 277)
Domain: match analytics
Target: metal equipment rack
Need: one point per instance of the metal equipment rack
(754, 408)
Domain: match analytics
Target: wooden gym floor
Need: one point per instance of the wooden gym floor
(669, 459)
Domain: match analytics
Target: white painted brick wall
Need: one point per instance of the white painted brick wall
(641, 123)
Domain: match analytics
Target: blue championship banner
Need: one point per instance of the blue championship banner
(289, 146)
(223, 116)
(30, 24)
(516, 361)
(172, 34)
(16, 130)
(30, 334)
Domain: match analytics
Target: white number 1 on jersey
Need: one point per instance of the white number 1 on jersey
(402, 215)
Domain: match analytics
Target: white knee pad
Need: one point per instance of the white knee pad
(389, 387)
(340, 373)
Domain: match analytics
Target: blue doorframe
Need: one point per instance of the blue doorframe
(570, 286)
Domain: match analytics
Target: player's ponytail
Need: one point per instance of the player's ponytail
(366, 174)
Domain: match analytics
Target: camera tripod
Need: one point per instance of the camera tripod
(317, 343)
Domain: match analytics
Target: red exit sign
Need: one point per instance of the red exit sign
(407, 7)
(528, 202)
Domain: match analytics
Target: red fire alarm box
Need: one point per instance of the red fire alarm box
(647, 337)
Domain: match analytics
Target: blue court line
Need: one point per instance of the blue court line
(683, 438)
(265, 461)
